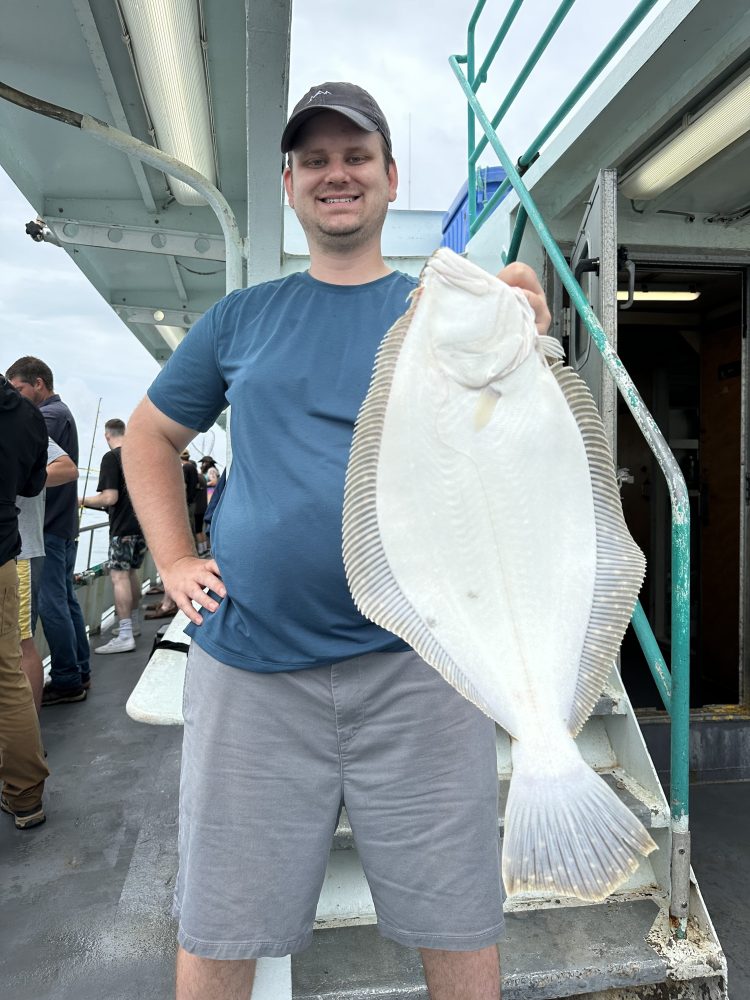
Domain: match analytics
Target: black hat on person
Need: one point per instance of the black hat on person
(347, 99)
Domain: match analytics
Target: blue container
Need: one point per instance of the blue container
(456, 219)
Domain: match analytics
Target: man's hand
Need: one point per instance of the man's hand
(185, 581)
(524, 278)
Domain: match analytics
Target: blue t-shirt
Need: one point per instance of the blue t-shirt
(294, 358)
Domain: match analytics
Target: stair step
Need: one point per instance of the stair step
(547, 954)
(652, 812)
(345, 899)
(593, 743)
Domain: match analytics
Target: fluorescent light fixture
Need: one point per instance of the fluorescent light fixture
(657, 296)
(166, 41)
(715, 129)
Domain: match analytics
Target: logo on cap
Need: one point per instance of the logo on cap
(318, 93)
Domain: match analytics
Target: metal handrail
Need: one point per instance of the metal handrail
(475, 80)
(674, 686)
(91, 528)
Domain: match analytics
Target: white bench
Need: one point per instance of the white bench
(157, 697)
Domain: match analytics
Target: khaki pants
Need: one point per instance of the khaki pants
(22, 766)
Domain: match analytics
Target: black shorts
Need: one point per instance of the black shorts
(126, 551)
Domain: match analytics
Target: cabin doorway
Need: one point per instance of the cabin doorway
(686, 358)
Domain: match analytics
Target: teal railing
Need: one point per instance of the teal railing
(674, 682)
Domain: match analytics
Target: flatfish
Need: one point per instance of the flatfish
(483, 524)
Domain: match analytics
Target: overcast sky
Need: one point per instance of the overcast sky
(396, 49)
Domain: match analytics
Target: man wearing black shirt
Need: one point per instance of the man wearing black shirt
(23, 459)
(62, 618)
(127, 545)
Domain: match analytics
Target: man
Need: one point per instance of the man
(30, 563)
(127, 546)
(62, 618)
(190, 475)
(294, 703)
(23, 456)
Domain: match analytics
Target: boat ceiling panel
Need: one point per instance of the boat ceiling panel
(675, 69)
(72, 53)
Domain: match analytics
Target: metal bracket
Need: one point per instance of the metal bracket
(679, 906)
(149, 316)
(171, 242)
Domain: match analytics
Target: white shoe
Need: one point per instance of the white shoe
(117, 645)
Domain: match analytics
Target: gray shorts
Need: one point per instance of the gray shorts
(269, 760)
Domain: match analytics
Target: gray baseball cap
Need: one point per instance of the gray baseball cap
(347, 99)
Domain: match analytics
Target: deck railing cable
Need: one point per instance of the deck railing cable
(673, 683)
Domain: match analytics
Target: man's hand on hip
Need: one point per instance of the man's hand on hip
(187, 579)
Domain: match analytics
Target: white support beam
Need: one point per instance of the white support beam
(268, 29)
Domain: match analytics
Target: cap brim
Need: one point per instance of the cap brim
(294, 123)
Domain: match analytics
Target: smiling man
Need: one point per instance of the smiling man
(294, 703)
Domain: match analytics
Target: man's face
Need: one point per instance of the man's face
(36, 392)
(338, 184)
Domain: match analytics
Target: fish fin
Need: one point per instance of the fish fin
(566, 832)
(550, 347)
(374, 589)
(620, 564)
(486, 404)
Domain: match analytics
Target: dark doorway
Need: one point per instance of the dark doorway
(685, 357)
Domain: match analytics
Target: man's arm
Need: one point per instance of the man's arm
(61, 470)
(153, 472)
(100, 501)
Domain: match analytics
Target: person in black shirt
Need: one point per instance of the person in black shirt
(62, 618)
(127, 545)
(23, 459)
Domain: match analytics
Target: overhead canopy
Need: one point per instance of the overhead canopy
(152, 248)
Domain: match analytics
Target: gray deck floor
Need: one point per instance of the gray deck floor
(86, 897)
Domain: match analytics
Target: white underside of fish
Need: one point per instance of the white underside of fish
(482, 523)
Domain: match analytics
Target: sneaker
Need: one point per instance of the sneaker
(25, 818)
(117, 645)
(86, 684)
(61, 696)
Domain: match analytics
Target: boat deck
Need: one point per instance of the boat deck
(86, 897)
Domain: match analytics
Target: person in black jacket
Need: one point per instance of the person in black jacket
(23, 459)
(62, 618)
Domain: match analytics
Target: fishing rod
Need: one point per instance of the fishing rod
(91, 452)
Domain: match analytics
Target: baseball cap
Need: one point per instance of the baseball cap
(346, 98)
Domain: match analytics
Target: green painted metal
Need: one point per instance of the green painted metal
(673, 685)
(557, 19)
(489, 207)
(587, 79)
(481, 76)
(653, 654)
(515, 241)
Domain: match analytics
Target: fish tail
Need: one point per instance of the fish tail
(567, 833)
